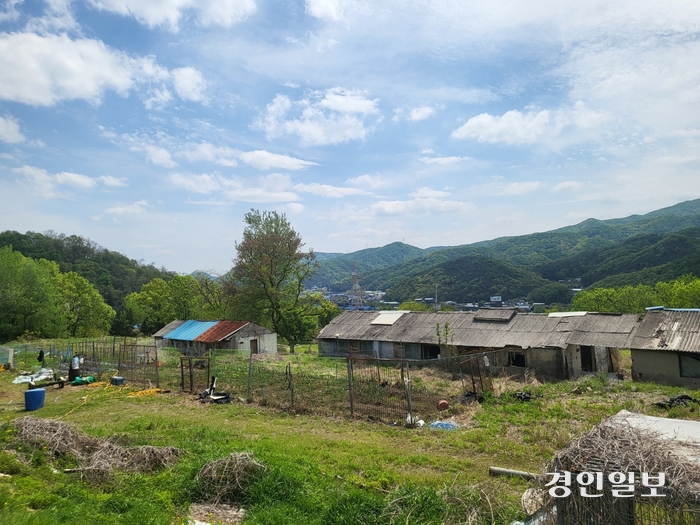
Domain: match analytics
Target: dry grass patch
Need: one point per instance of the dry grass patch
(98, 458)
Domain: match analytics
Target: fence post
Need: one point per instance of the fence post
(291, 384)
(408, 394)
(350, 391)
(250, 373)
(157, 367)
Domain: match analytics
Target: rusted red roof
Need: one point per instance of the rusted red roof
(220, 331)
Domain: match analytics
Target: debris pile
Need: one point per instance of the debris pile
(682, 400)
(98, 458)
(223, 480)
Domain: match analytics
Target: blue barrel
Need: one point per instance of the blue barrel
(34, 399)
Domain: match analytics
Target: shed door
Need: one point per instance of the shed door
(386, 350)
(253, 346)
(587, 359)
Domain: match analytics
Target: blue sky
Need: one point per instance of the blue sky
(152, 126)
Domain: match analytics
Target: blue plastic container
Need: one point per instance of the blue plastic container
(117, 380)
(34, 399)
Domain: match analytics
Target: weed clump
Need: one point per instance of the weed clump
(224, 480)
(98, 458)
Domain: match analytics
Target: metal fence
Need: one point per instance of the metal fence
(390, 390)
(137, 363)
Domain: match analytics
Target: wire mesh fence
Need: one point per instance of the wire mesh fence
(390, 390)
(137, 363)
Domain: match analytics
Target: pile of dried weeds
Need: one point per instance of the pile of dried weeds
(621, 447)
(223, 480)
(98, 458)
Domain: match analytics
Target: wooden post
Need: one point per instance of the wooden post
(189, 358)
(350, 391)
(157, 367)
(250, 374)
(408, 394)
(291, 384)
(182, 374)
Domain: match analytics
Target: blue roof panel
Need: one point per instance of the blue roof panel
(189, 330)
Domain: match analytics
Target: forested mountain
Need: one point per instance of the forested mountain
(338, 269)
(468, 279)
(595, 248)
(648, 252)
(113, 274)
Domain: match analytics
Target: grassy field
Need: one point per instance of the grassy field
(319, 469)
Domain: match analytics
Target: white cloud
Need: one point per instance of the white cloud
(75, 179)
(270, 188)
(369, 181)
(327, 190)
(443, 160)
(428, 193)
(9, 130)
(295, 207)
(324, 117)
(264, 160)
(420, 206)
(135, 208)
(109, 180)
(329, 10)
(158, 98)
(205, 151)
(569, 185)
(189, 84)
(347, 101)
(47, 184)
(204, 183)
(156, 155)
(420, 113)
(168, 13)
(8, 12)
(514, 127)
(519, 188)
(42, 70)
(44, 183)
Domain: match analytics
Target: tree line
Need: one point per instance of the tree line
(683, 292)
(266, 285)
(38, 300)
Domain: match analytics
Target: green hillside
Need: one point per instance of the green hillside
(113, 274)
(571, 251)
(467, 279)
(338, 270)
(639, 253)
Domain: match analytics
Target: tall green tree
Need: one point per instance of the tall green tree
(627, 299)
(684, 292)
(84, 311)
(151, 307)
(28, 296)
(267, 280)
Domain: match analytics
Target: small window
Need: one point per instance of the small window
(690, 365)
(516, 359)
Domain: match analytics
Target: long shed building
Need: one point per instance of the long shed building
(556, 346)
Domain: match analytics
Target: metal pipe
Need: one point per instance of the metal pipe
(497, 471)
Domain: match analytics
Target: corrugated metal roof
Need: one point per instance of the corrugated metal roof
(498, 315)
(524, 330)
(220, 331)
(668, 330)
(189, 330)
(172, 325)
